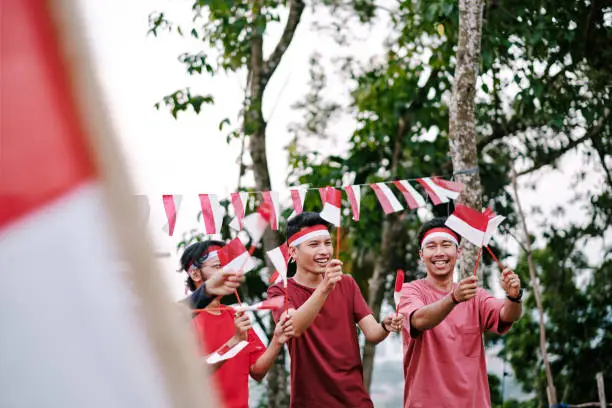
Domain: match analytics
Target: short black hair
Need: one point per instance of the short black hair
(305, 219)
(193, 255)
(438, 222)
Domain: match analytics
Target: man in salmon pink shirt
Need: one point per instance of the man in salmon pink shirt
(444, 358)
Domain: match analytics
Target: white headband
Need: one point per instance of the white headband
(436, 235)
(308, 236)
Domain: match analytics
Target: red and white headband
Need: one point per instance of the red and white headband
(439, 233)
(307, 234)
(210, 253)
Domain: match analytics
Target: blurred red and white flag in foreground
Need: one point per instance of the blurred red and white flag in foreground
(82, 324)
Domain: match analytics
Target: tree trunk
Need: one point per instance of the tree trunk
(462, 126)
(260, 72)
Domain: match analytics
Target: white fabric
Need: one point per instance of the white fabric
(310, 235)
(437, 235)
(71, 331)
(474, 235)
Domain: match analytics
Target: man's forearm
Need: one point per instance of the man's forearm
(265, 362)
(431, 315)
(511, 311)
(377, 335)
(305, 314)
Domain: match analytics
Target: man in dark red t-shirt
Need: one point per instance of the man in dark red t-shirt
(326, 368)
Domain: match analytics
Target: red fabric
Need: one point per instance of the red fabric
(232, 379)
(445, 366)
(43, 148)
(326, 368)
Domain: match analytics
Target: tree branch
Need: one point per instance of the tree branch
(592, 133)
(295, 14)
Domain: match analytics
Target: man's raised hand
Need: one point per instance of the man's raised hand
(223, 283)
(467, 289)
(333, 275)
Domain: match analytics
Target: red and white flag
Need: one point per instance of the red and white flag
(279, 257)
(275, 278)
(399, 282)
(469, 223)
(494, 222)
(256, 223)
(412, 197)
(239, 202)
(271, 199)
(226, 352)
(323, 194)
(353, 193)
(332, 206)
(270, 304)
(298, 195)
(386, 198)
(68, 218)
(234, 257)
(212, 213)
(172, 205)
(440, 190)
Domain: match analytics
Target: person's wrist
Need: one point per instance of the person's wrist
(454, 299)
(515, 299)
(384, 327)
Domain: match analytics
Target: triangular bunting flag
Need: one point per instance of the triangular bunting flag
(212, 214)
(297, 197)
(440, 190)
(271, 199)
(386, 198)
(412, 197)
(239, 202)
(353, 193)
(172, 205)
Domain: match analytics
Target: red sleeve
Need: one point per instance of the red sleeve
(360, 306)
(278, 290)
(256, 347)
(411, 300)
(489, 310)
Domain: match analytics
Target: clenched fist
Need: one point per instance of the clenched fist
(467, 289)
(333, 275)
(511, 283)
(393, 323)
(242, 325)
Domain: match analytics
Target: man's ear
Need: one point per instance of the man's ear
(458, 250)
(292, 251)
(421, 256)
